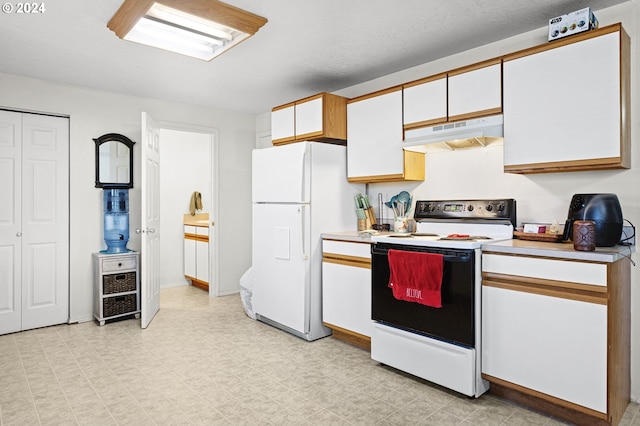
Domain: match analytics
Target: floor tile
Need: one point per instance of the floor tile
(202, 361)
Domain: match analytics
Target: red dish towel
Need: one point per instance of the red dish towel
(416, 277)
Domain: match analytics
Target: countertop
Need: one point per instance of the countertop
(350, 236)
(199, 219)
(559, 250)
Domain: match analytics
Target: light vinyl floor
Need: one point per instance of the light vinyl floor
(202, 361)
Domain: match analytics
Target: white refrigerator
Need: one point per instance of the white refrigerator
(299, 191)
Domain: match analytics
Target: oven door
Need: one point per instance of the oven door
(454, 322)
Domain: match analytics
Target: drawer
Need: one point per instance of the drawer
(362, 250)
(548, 269)
(118, 305)
(119, 283)
(118, 264)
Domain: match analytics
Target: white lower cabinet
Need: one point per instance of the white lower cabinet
(548, 344)
(196, 255)
(555, 334)
(346, 290)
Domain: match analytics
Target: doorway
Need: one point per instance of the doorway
(188, 164)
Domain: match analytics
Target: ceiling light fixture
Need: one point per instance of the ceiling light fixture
(201, 29)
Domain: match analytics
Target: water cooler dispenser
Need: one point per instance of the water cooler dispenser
(116, 220)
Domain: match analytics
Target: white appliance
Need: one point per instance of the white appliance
(299, 191)
(442, 345)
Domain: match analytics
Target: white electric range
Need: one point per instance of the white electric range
(442, 345)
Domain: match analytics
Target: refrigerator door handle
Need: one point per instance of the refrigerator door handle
(303, 253)
(305, 168)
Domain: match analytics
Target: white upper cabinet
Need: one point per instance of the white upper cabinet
(469, 92)
(566, 104)
(425, 101)
(475, 91)
(320, 118)
(283, 125)
(374, 148)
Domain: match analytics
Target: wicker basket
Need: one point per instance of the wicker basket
(118, 305)
(119, 283)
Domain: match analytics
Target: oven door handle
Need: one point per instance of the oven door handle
(461, 258)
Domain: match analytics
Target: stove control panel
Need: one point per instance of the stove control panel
(501, 209)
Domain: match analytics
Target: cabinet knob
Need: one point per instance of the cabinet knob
(19, 234)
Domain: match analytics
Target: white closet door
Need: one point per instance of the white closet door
(45, 221)
(10, 221)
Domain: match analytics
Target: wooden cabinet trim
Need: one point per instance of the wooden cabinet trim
(349, 336)
(425, 123)
(311, 98)
(424, 80)
(564, 42)
(566, 166)
(476, 114)
(344, 259)
(375, 94)
(560, 289)
(413, 171)
(625, 98)
(289, 105)
(533, 256)
(546, 403)
(619, 339)
(195, 237)
(476, 66)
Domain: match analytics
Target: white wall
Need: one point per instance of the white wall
(541, 198)
(94, 113)
(185, 159)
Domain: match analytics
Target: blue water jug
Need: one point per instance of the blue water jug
(116, 220)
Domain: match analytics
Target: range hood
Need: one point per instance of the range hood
(477, 132)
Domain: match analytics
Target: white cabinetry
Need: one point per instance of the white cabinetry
(374, 148)
(34, 221)
(566, 104)
(425, 102)
(116, 285)
(346, 290)
(475, 91)
(283, 124)
(196, 255)
(469, 92)
(555, 331)
(320, 118)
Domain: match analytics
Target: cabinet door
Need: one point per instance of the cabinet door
(562, 107)
(475, 92)
(425, 102)
(283, 124)
(202, 254)
(374, 127)
(548, 344)
(190, 251)
(346, 297)
(308, 118)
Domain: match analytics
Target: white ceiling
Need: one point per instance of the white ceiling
(307, 46)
